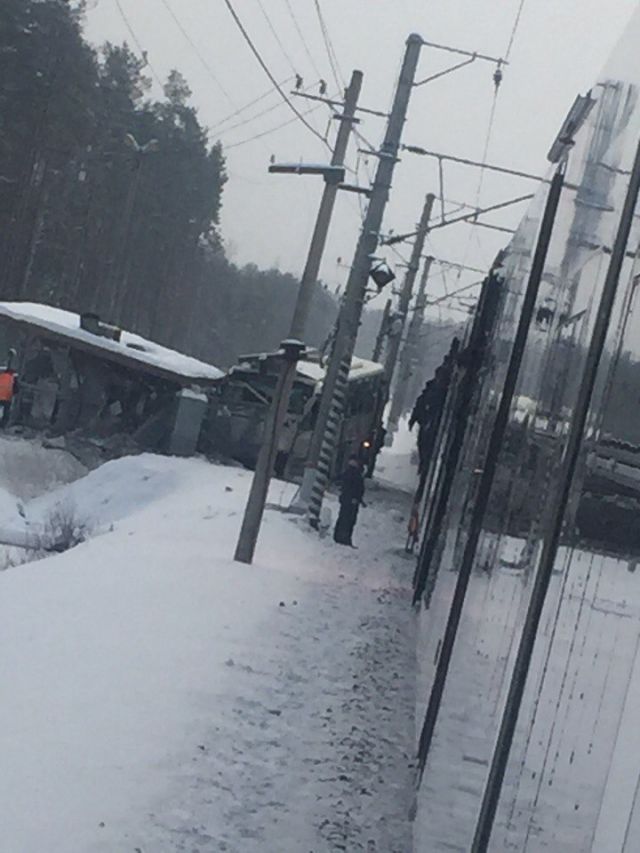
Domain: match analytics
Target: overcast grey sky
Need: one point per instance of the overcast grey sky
(558, 51)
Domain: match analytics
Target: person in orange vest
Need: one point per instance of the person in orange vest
(8, 389)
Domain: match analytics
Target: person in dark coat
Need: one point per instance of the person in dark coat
(351, 499)
(429, 407)
(427, 413)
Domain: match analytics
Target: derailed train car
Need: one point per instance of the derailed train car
(81, 377)
(236, 416)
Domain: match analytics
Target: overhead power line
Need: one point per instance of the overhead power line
(453, 293)
(269, 131)
(276, 35)
(515, 28)
(487, 144)
(465, 161)
(333, 59)
(137, 43)
(243, 122)
(497, 80)
(302, 38)
(255, 116)
(249, 105)
(267, 71)
(197, 51)
(401, 238)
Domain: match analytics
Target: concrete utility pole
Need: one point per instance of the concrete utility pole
(408, 356)
(291, 352)
(329, 421)
(293, 348)
(327, 203)
(403, 305)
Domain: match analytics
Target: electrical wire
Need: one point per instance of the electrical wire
(358, 134)
(302, 38)
(514, 30)
(136, 41)
(268, 132)
(249, 104)
(485, 155)
(194, 47)
(454, 293)
(491, 124)
(490, 127)
(243, 122)
(399, 255)
(276, 36)
(251, 118)
(333, 59)
(487, 145)
(492, 114)
(265, 68)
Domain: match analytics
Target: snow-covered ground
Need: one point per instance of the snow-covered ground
(28, 469)
(398, 463)
(159, 697)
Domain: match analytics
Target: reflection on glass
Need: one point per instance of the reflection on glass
(573, 778)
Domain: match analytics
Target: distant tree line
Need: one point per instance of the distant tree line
(110, 201)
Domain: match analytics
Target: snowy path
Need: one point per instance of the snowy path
(319, 725)
(164, 698)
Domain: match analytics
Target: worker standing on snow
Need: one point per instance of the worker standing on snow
(8, 389)
(351, 499)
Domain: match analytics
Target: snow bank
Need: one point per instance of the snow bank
(9, 505)
(118, 489)
(147, 671)
(28, 468)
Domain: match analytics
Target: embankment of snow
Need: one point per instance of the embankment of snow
(121, 659)
(29, 469)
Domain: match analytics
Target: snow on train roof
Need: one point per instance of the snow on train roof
(361, 368)
(134, 347)
(311, 369)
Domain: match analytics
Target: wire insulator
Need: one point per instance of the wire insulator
(497, 77)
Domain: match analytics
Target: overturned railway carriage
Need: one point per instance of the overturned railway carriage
(236, 417)
(80, 375)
